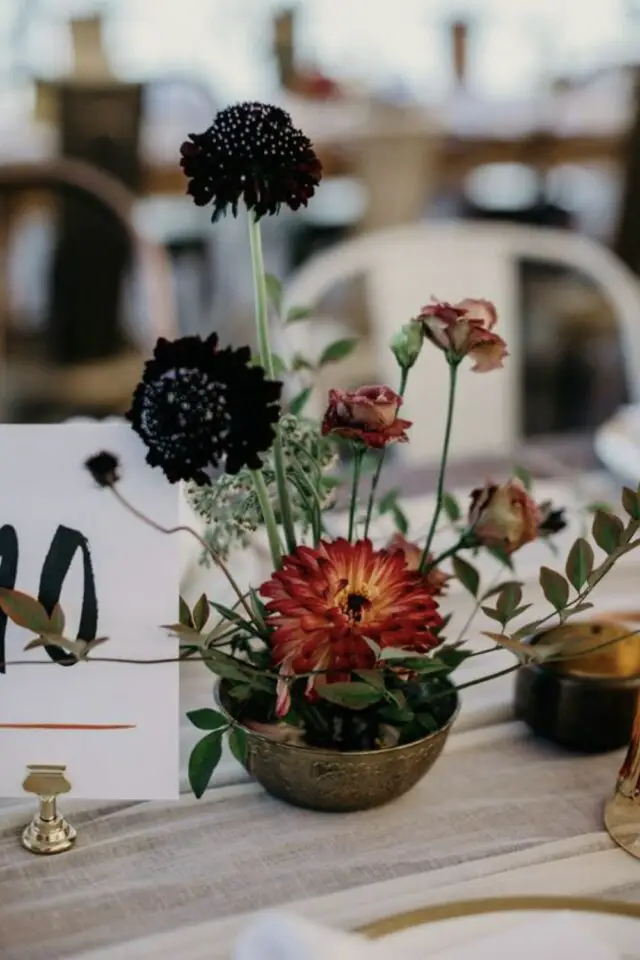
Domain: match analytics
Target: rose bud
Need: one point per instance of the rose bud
(437, 579)
(465, 329)
(369, 414)
(503, 516)
(406, 345)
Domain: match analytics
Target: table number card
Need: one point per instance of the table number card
(114, 725)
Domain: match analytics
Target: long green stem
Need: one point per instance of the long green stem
(358, 454)
(376, 477)
(266, 358)
(453, 374)
(269, 518)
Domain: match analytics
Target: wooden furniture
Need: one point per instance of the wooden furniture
(34, 370)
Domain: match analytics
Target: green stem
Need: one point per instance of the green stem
(453, 374)
(376, 477)
(358, 454)
(266, 358)
(462, 544)
(269, 518)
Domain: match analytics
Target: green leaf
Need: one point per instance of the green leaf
(508, 600)
(274, 291)
(388, 501)
(226, 667)
(337, 350)
(400, 519)
(493, 614)
(631, 502)
(501, 555)
(185, 614)
(24, 610)
(57, 620)
(238, 744)
(467, 575)
(598, 505)
(204, 759)
(452, 657)
(279, 365)
(353, 695)
(301, 363)
(451, 507)
(524, 477)
(607, 531)
(201, 613)
(299, 402)
(207, 719)
(427, 722)
(492, 591)
(555, 587)
(299, 313)
(375, 678)
(233, 617)
(579, 563)
(520, 610)
(579, 608)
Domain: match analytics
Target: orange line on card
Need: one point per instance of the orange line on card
(67, 726)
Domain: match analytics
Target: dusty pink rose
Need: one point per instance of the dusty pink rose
(369, 414)
(465, 329)
(504, 515)
(436, 578)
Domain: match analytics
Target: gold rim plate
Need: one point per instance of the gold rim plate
(470, 908)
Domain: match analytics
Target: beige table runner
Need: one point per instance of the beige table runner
(153, 868)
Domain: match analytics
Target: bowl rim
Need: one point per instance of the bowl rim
(319, 751)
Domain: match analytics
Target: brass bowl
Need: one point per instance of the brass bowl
(337, 782)
(586, 703)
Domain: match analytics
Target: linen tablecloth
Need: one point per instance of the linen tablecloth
(500, 813)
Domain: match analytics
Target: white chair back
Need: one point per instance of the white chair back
(404, 267)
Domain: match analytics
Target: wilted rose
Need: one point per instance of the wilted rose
(369, 414)
(465, 329)
(436, 578)
(504, 516)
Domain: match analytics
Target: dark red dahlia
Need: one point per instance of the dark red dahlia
(252, 153)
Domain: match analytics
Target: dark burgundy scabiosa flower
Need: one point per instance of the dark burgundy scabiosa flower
(552, 519)
(198, 408)
(104, 467)
(251, 152)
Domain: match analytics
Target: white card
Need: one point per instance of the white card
(114, 725)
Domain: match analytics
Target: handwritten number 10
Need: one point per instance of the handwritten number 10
(64, 546)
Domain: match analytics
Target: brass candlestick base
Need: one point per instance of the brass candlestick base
(48, 832)
(622, 813)
(622, 820)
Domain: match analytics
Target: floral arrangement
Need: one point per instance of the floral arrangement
(345, 645)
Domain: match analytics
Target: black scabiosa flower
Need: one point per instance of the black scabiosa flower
(198, 408)
(104, 467)
(552, 520)
(251, 152)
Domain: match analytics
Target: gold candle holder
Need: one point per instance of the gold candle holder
(622, 812)
(48, 832)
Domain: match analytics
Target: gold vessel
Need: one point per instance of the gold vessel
(622, 813)
(335, 781)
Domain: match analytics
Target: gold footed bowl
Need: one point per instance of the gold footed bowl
(340, 782)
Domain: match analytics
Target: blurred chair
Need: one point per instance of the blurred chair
(172, 219)
(36, 381)
(404, 267)
(100, 125)
(627, 239)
